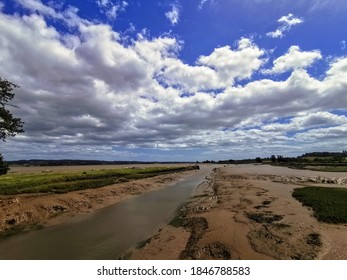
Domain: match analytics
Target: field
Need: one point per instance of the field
(66, 181)
(329, 204)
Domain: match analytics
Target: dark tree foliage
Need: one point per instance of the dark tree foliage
(3, 166)
(273, 158)
(9, 125)
(258, 160)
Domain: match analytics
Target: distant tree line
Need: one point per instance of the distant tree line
(324, 157)
(325, 154)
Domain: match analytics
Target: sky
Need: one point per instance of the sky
(175, 80)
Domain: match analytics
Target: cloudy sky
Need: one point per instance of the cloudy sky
(175, 79)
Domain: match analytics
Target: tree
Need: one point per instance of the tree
(273, 158)
(258, 160)
(280, 158)
(3, 166)
(9, 125)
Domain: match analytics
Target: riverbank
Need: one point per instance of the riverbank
(248, 212)
(26, 212)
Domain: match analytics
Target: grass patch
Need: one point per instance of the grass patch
(264, 217)
(176, 222)
(63, 182)
(329, 204)
(327, 168)
(314, 239)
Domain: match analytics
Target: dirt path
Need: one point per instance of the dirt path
(248, 213)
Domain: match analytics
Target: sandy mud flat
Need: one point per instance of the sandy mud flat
(248, 212)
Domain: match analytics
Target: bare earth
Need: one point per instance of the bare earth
(32, 211)
(240, 212)
(247, 212)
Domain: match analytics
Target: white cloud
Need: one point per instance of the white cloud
(234, 65)
(343, 45)
(69, 16)
(190, 78)
(290, 20)
(103, 3)
(307, 121)
(286, 24)
(38, 6)
(335, 134)
(110, 9)
(174, 14)
(216, 71)
(338, 68)
(294, 59)
(84, 92)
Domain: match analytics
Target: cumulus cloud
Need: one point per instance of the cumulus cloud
(343, 45)
(86, 94)
(238, 64)
(38, 6)
(174, 14)
(216, 71)
(294, 59)
(286, 23)
(69, 16)
(307, 122)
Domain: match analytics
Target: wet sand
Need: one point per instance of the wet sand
(248, 212)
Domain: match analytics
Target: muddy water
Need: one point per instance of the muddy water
(107, 233)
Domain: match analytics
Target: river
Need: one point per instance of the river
(107, 233)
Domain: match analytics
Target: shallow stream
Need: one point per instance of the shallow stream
(107, 233)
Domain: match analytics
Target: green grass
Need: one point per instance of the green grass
(328, 168)
(329, 204)
(177, 221)
(71, 181)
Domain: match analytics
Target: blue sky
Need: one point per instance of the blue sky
(175, 80)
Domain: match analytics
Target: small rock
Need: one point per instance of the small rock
(11, 222)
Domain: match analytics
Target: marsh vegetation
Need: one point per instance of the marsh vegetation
(329, 204)
(62, 182)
